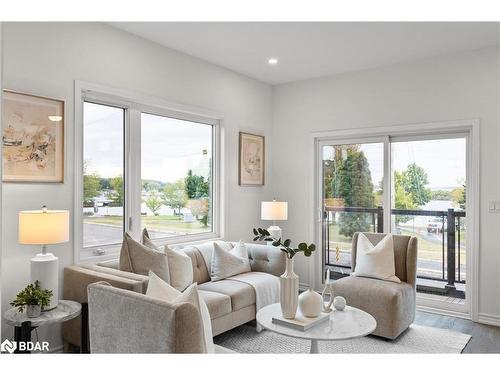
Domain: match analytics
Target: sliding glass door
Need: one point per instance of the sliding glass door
(411, 185)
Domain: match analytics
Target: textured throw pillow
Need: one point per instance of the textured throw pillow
(137, 258)
(146, 241)
(181, 268)
(376, 261)
(206, 249)
(229, 263)
(159, 289)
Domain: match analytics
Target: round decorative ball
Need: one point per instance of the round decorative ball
(310, 303)
(339, 303)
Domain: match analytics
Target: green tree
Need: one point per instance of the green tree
(117, 193)
(414, 182)
(91, 185)
(174, 195)
(196, 186)
(459, 196)
(402, 199)
(154, 202)
(354, 185)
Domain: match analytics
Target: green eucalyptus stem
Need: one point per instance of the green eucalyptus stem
(262, 234)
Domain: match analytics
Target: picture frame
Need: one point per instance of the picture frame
(251, 160)
(33, 138)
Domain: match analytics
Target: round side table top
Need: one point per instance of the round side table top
(347, 324)
(65, 310)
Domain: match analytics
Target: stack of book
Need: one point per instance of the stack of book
(301, 322)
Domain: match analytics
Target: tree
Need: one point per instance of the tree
(154, 202)
(402, 199)
(117, 194)
(458, 196)
(414, 182)
(174, 195)
(353, 183)
(199, 208)
(91, 184)
(196, 186)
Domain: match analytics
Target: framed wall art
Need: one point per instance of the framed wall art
(251, 160)
(33, 138)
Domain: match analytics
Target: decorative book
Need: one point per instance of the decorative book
(301, 322)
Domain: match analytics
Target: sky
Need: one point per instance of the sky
(443, 160)
(169, 147)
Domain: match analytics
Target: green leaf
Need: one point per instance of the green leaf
(307, 253)
(256, 238)
(260, 230)
(255, 232)
(266, 232)
(302, 246)
(312, 247)
(287, 242)
(276, 243)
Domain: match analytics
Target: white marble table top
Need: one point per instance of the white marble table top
(65, 310)
(347, 324)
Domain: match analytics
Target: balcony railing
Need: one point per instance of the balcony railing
(450, 231)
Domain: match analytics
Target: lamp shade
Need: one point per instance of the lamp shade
(43, 227)
(274, 210)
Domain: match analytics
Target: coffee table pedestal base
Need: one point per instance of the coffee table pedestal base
(314, 347)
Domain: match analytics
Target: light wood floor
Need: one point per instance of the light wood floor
(485, 338)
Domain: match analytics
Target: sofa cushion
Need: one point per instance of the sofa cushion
(137, 258)
(218, 304)
(200, 271)
(241, 294)
(229, 263)
(391, 304)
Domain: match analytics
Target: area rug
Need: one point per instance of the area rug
(417, 339)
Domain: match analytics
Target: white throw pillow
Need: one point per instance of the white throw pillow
(376, 261)
(159, 289)
(229, 263)
(180, 267)
(206, 249)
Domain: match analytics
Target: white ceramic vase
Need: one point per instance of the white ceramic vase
(310, 303)
(289, 291)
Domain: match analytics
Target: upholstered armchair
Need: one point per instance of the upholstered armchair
(391, 304)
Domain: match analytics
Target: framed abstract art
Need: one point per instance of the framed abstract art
(251, 160)
(33, 138)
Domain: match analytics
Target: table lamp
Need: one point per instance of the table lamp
(274, 211)
(44, 227)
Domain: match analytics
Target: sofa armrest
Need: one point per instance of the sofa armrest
(122, 321)
(76, 280)
(264, 258)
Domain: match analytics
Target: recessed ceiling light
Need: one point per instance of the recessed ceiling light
(272, 61)
(55, 118)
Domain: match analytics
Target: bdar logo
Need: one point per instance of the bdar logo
(8, 346)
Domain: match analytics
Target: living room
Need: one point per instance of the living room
(147, 165)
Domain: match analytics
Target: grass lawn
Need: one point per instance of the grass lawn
(162, 223)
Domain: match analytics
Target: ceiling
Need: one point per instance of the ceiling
(307, 50)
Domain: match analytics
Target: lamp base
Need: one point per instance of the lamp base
(45, 268)
(274, 231)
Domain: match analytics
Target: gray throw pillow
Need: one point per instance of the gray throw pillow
(137, 258)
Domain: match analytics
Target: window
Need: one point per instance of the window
(407, 184)
(144, 165)
(176, 174)
(103, 169)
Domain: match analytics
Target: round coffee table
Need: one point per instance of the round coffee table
(347, 324)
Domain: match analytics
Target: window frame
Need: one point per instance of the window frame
(470, 129)
(134, 105)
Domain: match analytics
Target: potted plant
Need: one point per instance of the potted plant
(289, 281)
(33, 298)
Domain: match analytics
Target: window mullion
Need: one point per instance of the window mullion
(133, 184)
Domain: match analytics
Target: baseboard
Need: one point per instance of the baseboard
(492, 320)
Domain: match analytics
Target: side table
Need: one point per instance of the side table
(65, 310)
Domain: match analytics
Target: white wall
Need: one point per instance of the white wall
(462, 86)
(45, 59)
